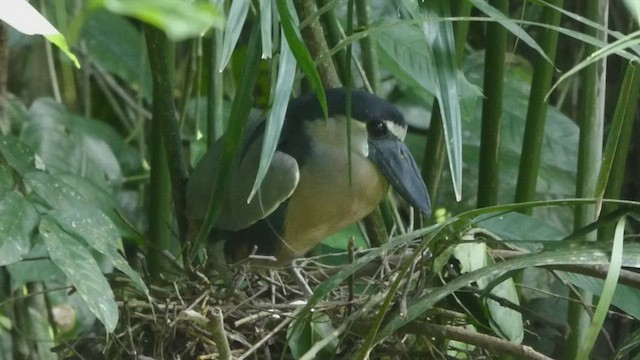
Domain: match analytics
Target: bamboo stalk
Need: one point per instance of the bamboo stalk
(591, 119)
(537, 110)
(494, 68)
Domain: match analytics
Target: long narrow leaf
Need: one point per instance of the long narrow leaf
(613, 48)
(620, 130)
(510, 25)
(587, 254)
(305, 61)
(607, 292)
(20, 15)
(238, 116)
(275, 120)
(439, 36)
(237, 16)
(266, 16)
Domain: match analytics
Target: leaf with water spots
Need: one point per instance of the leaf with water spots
(18, 218)
(82, 271)
(94, 227)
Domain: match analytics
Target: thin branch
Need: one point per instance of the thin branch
(493, 344)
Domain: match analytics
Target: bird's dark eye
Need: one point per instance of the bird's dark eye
(377, 128)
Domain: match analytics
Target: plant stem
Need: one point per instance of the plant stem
(165, 149)
(333, 37)
(314, 38)
(626, 108)
(369, 54)
(537, 111)
(488, 174)
(591, 119)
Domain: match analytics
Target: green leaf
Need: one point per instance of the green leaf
(620, 129)
(121, 50)
(82, 271)
(439, 37)
(634, 9)
(505, 321)
(275, 120)
(94, 227)
(65, 145)
(39, 267)
(557, 173)
(616, 47)
(301, 340)
(267, 17)
(510, 25)
(17, 154)
(237, 16)
(20, 15)
(239, 115)
(7, 182)
(68, 191)
(610, 283)
(584, 254)
(290, 28)
(18, 218)
(520, 228)
(179, 19)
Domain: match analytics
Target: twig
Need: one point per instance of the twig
(216, 326)
(493, 344)
(627, 277)
(266, 338)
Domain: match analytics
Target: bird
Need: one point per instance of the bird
(308, 192)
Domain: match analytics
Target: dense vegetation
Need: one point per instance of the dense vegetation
(522, 115)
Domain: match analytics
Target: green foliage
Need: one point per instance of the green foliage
(78, 177)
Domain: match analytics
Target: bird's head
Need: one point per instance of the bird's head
(377, 134)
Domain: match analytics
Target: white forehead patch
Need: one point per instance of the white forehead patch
(398, 130)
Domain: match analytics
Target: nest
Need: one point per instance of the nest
(264, 314)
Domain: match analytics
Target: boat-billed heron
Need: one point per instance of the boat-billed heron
(307, 194)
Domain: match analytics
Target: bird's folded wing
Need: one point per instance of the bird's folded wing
(278, 185)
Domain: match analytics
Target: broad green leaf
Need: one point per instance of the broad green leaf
(7, 182)
(237, 16)
(626, 298)
(290, 22)
(38, 268)
(17, 154)
(68, 191)
(556, 177)
(505, 321)
(65, 146)
(18, 218)
(318, 328)
(275, 120)
(121, 50)
(179, 19)
(53, 192)
(94, 227)
(82, 271)
(20, 15)
(518, 228)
